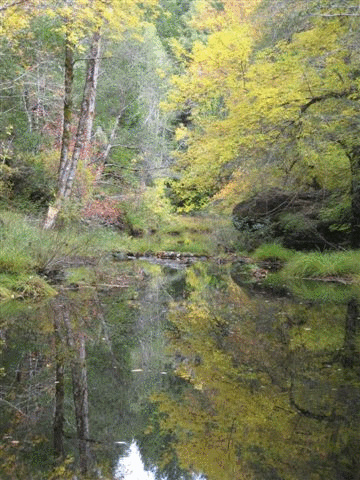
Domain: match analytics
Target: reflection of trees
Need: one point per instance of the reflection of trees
(264, 388)
(45, 351)
(75, 341)
(269, 387)
(70, 390)
(350, 357)
(58, 425)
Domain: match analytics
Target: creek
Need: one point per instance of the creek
(181, 372)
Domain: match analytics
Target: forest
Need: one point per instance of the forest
(163, 165)
(133, 115)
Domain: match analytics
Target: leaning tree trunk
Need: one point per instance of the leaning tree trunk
(68, 165)
(68, 106)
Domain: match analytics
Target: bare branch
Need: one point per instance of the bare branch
(11, 4)
(14, 407)
(335, 15)
(327, 96)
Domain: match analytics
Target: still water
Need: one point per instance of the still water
(174, 372)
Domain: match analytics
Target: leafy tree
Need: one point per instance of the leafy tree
(289, 108)
(79, 25)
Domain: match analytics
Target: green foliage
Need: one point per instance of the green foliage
(154, 228)
(28, 181)
(171, 23)
(273, 251)
(296, 223)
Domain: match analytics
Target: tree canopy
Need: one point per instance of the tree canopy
(282, 101)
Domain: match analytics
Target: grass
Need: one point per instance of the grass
(197, 235)
(317, 264)
(81, 275)
(312, 264)
(274, 252)
(27, 251)
(24, 286)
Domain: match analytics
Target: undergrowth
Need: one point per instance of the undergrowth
(24, 286)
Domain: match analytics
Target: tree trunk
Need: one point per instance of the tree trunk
(28, 110)
(87, 111)
(81, 403)
(354, 157)
(349, 354)
(65, 161)
(58, 426)
(68, 106)
(80, 391)
(68, 166)
(106, 151)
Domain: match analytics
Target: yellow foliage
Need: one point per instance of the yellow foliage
(210, 17)
(79, 19)
(242, 110)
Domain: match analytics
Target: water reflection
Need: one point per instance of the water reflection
(131, 467)
(269, 386)
(193, 371)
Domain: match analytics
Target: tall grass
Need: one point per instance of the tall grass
(26, 247)
(273, 251)
(24, 286)
(311, 264)
(317, 264)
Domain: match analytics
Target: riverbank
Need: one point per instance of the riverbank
(33, 261)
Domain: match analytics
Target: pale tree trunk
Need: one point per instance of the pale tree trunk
(28, 109)
(106, 152)
(68, 165)
(68, 107)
